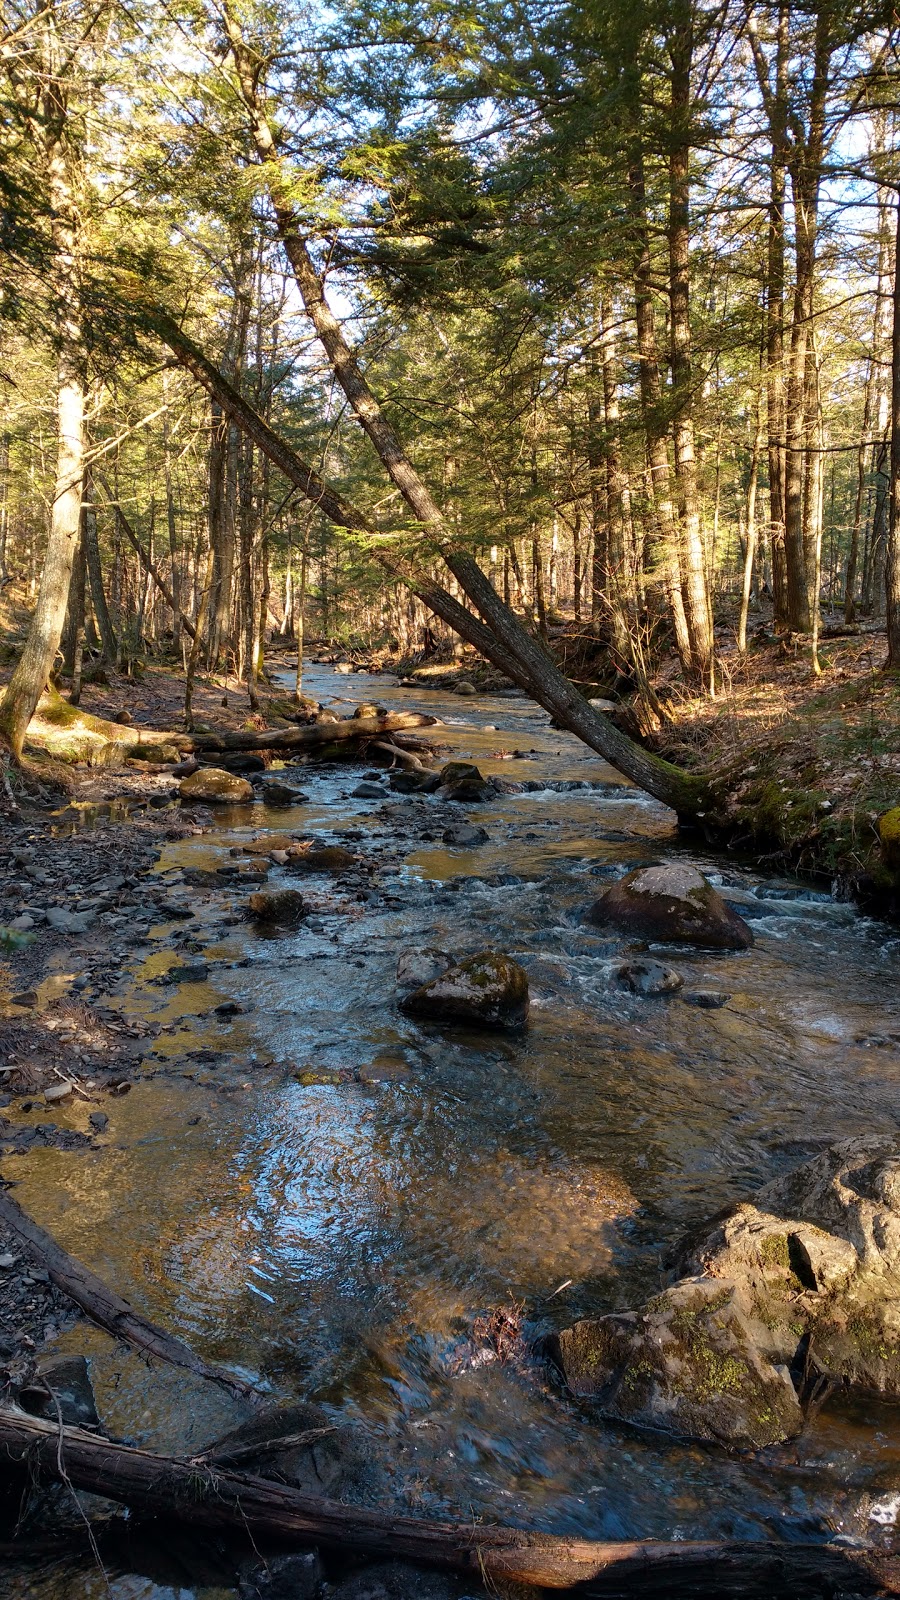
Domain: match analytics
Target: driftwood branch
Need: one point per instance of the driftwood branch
(199, 1495)
(404, 757)
(103, 1306)
(313, 737)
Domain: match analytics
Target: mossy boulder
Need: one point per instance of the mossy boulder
(774, 1296)
(488, 989)
(212, 786)
(889, 834)
(673, 904)
(690, 1363)
(278, 907)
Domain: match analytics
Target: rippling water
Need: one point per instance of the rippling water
(340, 1240)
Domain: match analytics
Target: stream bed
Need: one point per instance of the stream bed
(339, 1241)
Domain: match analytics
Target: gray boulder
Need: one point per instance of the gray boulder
(489, 989)
(674, 904)
(778, 1296)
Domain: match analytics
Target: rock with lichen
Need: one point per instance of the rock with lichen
(777, 1299)
(673, 903)
(489, 989)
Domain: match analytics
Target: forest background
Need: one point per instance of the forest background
(591, 310)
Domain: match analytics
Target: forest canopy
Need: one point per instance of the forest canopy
(594, 302)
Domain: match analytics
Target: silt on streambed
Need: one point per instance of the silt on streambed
(342, 1238)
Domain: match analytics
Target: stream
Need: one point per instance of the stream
(339, 1240)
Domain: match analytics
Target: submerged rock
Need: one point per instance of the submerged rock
(488, 988)
(292, 1575)
(280, 907)
(399, 1580)
(213, 786)
(778, 1296)
(672, 903)
(648, 977)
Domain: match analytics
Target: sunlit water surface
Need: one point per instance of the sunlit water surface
(339, 1241)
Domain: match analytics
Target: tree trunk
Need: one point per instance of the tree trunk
(206, 1495)
(750, 551)
(33, 668)
(95, 572)
(504, 641)
(694, 588)
(664, 554)
(892, 563)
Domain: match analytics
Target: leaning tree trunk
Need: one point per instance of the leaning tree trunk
(500, 637)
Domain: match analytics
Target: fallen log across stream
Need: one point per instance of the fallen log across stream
(199, 1495)
(103, 1306)
(309, 738)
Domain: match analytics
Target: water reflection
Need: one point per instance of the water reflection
(340, 1239)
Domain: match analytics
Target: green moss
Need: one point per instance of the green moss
(774, 1252)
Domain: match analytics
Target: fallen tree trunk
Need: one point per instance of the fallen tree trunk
(311, 738)
(203, 1496)
(103, 1306)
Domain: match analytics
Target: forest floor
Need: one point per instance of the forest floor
(806, 764)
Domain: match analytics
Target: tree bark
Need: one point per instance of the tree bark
(210, 1496)
(892, 564)
(694, 587)
(108, 642)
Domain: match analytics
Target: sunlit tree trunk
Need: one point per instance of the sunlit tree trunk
(697, 608)
(36, 661)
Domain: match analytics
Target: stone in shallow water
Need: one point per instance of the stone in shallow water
(213, 786)
(416, 967)
(281, 794)
(672, 903)
(648, 977)
(281, 907)
(464, 835)
(488, 989)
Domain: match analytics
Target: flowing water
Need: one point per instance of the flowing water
(340, 1240)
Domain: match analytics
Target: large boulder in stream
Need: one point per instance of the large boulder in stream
(778, 1298)
(672, 904)
(488, 989)
(213, 786)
